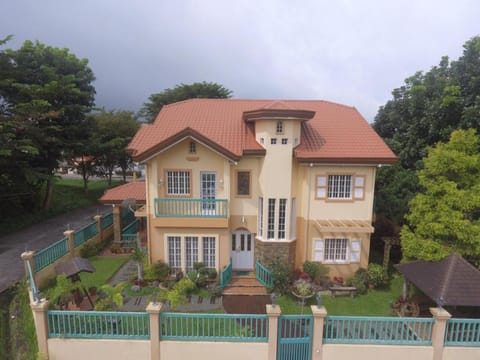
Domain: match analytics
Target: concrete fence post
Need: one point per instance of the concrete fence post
(319, 314)
(154, 310)
(28, 256)
(39, 310)
(99, 220)
(273, 312)
(69, 234)
(438, 332)
(117, 223)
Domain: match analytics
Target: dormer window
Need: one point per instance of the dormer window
(279, 127)
(193, 148)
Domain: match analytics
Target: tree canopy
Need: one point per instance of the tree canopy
(208, 90)
(45, 94)
(422, 112)
(445, 216)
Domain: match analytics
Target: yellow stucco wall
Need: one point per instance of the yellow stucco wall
(96, 349)
(213, 350)
(369, 352)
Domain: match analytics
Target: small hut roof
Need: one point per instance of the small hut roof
(74, 266)
(452, 281)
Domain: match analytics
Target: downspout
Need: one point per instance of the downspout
(307, 227)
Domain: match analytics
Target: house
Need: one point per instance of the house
(259, 179)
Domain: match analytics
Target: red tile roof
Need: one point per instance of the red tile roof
(335, 134)
(132, 190)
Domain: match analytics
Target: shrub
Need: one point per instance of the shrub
(282, 272)
(161, 270)
(359, 280)
(212, 273)
(377, 276)
(89, 250)
(315, 270)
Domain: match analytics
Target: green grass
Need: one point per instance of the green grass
(374, 303)
(105, 266)
(67, 195)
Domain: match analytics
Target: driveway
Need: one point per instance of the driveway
(37, 237)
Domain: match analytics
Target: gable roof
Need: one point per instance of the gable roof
(331, 132)
(452, 281)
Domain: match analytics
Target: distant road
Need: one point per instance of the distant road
(37, 237)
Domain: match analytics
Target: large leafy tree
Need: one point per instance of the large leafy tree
(422, 112)
(181, 92)
(445, 216)
(113, 132)
(46, 92)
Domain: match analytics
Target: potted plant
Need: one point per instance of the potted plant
(303, 290)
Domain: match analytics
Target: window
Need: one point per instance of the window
(273, 141)
(262, 140)
(340, 187)
(281, 218)
(284, 141)
(260, 217)
(192, 148)
(243, 183)
(271, 219)
(174, 252)
(209, 251)
(293, 219)
(191, 252)
(279, 127)
(178, 182)
(336, 250)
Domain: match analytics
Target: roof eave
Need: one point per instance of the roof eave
(347, 160)
(253, 115)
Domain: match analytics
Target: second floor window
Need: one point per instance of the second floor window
(243, 183)
(178, 182)
(340, 187)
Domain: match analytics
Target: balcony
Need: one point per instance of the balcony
(171, 212)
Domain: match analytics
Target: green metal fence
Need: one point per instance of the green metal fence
(462, 332)
(295, 337)
(226, 275)
(214, 327)
(98, 325)
(84, 234)
(263, 275)
(212, 208)
(127, 216)
(50, 254)
(377, 330)
(107, 220)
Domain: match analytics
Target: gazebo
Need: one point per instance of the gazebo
(452, 281)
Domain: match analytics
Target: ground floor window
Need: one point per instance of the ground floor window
(336, 250)
(183, 251)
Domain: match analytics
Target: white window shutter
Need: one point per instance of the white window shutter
(355, 251)
(318, 250)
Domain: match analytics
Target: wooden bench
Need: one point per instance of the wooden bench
(343, 289)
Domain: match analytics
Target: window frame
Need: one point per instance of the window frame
(192, 148)
(167, 183)
(273, 141)
(279, 128)
(282, 219)
(271, 212)
(200, 250)
(353, 250)
(344, 247)
(357, 187)
(237, 182)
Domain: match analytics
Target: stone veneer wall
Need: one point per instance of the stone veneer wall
(266, 251)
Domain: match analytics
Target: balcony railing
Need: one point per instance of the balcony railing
(204, 208)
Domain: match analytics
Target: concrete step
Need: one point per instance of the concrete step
(244, 290)
(244, 282)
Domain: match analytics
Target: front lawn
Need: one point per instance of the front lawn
(373, 303)
(105, 266)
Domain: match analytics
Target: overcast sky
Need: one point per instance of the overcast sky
(348, 51)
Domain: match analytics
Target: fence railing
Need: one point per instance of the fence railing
(50, 254)
(263, 275)
(226, 275)
(84, 234)
(377, 330)
(98, 325)
(107, 220)
(127, 216)
(132, 228)
(210, 208)
(214, 327)
(462, 332)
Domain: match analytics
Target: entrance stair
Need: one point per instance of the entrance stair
(244, 284)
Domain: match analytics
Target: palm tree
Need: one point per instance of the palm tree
(138, 256)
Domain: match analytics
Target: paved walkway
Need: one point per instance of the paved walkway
(37, 237)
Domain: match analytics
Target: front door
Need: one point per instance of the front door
(208, 191)
(242, 250)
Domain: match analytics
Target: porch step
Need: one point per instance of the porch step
(244, 285)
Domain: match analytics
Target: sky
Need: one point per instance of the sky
(353, 52)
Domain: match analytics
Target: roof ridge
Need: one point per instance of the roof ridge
(447, 276)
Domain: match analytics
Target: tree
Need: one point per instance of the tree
(113, 132)
(138, 257)
(49, 90)
(182, 92)
(445, 216)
